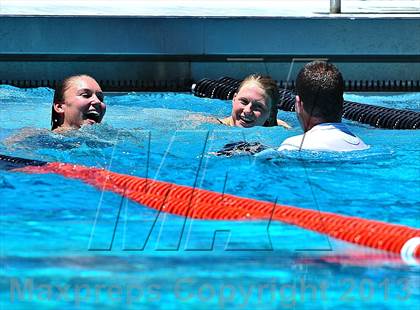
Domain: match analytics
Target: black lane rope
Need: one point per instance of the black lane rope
(10, 162)
(381, 117)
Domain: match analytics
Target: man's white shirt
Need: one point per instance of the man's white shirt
(333, 137)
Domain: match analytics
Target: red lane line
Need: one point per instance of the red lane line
(203, 204)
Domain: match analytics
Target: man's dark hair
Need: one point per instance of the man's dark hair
(320, 86)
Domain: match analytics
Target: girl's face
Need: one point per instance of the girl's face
(83, 103)
(250, 106)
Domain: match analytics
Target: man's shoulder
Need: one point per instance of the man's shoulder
(292, 143)
(338, 137)
(327, 137)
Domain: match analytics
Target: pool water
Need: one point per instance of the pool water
(65, 244)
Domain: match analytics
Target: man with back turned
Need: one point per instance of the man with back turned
(319, 107)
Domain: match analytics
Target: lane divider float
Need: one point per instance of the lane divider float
(208, 205)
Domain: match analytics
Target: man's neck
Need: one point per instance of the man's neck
(313, 121)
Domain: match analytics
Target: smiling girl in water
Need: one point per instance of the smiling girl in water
(255, 103)
(77, 101)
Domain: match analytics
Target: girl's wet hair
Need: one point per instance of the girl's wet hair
(271, 89)
(57, 119)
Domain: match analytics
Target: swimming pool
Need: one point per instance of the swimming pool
(49, 242)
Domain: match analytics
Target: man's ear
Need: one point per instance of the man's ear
(298, 104)
(59, 107)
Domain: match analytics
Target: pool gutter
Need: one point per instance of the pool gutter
(168, 52)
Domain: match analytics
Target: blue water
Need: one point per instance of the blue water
(61, 236)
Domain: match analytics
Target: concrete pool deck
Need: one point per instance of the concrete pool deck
(221, 8)
(164, 45)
